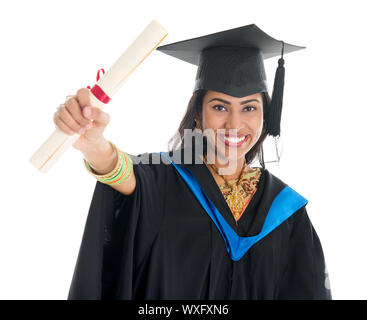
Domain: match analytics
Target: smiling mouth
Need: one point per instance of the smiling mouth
(233, 141)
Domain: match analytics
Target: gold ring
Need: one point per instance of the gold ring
(60, 106)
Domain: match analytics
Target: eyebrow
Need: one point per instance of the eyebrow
(227, 102)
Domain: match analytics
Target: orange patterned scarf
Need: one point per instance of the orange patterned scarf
(246, 191)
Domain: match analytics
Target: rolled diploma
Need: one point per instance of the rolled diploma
(58, 142)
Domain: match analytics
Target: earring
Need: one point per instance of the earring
(197, 124)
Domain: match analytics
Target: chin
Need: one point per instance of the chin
(232, 154)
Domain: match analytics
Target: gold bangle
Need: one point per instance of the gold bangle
(116, 168)
(121, 176)
(130, 163)
(113, 171)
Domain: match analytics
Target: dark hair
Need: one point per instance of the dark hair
(194, 109)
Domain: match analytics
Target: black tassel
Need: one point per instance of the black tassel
(275, 109)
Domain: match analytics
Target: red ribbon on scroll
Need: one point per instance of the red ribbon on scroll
(97, 90)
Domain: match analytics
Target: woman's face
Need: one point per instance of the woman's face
(236, 123)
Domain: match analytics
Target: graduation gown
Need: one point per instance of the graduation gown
(160, 243)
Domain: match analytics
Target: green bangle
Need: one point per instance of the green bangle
(117, 177)
(128, 171)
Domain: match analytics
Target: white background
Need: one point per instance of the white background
(50, 49)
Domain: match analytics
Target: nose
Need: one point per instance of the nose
(233, 121)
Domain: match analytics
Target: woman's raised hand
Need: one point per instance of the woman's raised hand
(77, 115)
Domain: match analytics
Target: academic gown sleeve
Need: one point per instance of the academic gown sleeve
(305, 274)
(118, 234)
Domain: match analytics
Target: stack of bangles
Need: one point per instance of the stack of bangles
(118, 174)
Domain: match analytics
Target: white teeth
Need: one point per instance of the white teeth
(234, 140)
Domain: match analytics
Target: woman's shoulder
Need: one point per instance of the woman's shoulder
(272, 180)
(151, 166)
(274, 185)
(148, 161)
(160, 160)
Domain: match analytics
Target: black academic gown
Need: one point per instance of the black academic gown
(159, 243)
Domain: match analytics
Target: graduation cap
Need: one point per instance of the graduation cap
(232, 62)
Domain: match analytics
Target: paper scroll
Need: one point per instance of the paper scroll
(58, 142)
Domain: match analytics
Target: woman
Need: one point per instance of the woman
(208, 227)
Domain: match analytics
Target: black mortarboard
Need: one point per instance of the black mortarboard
(232, 62)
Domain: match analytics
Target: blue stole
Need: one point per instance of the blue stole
(283, 206)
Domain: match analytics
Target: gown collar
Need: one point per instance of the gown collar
(252, 219)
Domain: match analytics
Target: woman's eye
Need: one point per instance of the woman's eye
(253, 108)
(221, 108)
(218, 107)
